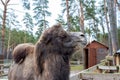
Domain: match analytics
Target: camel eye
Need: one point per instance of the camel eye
(82, 35)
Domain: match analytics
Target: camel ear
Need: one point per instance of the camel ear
(39, 58)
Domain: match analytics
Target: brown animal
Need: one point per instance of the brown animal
(50, 58)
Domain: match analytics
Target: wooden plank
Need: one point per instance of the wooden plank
(3, 75)
(117, 60)
(107, 67)
(75, 76)
(99, 76)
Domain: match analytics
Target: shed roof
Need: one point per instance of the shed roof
(94, 41)
(118, 52)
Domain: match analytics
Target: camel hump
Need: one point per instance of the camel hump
(21, 51)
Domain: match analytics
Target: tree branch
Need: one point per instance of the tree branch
(7, 1)
(118, 5)
(2, 2)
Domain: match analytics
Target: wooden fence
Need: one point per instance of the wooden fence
(4, 67)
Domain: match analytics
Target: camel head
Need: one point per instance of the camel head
(59, 36)
(77, 38)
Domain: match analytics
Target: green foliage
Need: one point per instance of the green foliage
(73, 11)
(17, 37)
(76, 56)
(75, 23)
(89, 9)
(39, 30)
(73, 7)
(103, 38)
(28, 21)
(61, 20)
(92, 15)
(41, 12)
(26, 4)
(11, 20)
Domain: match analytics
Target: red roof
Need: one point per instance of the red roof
(89, 44)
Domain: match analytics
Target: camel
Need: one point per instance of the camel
(48, 59)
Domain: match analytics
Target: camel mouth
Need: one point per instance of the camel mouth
(71, 44)
(77, 40)
(82, 42)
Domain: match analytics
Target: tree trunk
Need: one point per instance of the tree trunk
(5, 4)
(109, 35)
(81, 17)
(68, 16)
(25, 37)
(113, 24)
(44, 24)
(95, 29)
(8, 47)
(103, 30)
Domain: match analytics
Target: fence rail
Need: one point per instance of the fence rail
(4, 66)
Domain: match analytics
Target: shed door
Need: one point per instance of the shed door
(92, 57)
(86, 58)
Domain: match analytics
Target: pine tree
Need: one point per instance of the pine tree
(40, 14)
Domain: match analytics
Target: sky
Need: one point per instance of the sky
(54, 8)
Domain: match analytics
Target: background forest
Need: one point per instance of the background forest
(98, 19)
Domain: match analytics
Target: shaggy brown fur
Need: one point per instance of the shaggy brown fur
(52, 55)
(21, 51)
(50, 60)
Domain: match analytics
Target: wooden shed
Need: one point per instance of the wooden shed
(94, 52)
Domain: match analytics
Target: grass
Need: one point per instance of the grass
(76, 67)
